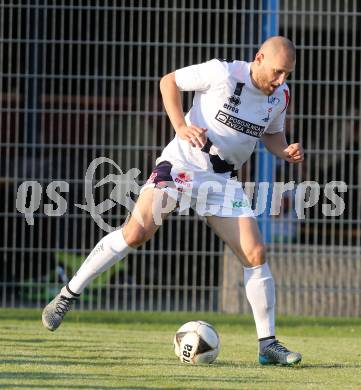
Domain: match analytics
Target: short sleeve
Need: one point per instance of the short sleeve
(278, 123)
(199, 77)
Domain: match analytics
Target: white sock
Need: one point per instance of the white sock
(260, 291)
(107, 252)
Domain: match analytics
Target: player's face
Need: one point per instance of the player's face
(273, 71)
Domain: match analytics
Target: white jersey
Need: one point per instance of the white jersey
(233, 111)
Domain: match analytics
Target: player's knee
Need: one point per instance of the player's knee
(135, 236)
(256, 255)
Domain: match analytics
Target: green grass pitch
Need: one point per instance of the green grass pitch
(115, 350)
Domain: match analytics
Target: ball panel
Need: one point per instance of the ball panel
(206, 357)
(190, 326)
(179, 336)
(205, 323)
(203, 346)
(176, 346)
(209, 335)
(188, 347)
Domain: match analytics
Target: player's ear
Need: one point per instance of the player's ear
(259, 58)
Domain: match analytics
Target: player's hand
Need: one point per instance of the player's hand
(195, 135)
(294, 153)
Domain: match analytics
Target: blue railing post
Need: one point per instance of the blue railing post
(270, 10)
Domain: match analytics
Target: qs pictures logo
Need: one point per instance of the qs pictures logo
(29, 194)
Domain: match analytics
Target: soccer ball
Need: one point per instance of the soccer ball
(196, 342)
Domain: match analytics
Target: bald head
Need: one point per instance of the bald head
(273, 63)
(277, 44)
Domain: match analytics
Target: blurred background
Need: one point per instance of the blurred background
(80, 80)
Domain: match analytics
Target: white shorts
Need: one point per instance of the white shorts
(207, 193)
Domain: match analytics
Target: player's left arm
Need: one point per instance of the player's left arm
(277, 144)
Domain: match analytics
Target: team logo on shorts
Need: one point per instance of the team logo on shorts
(183, 179)
(152, 177)
(238, 204)
(183, 176)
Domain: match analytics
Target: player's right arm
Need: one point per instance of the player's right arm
(195, 135)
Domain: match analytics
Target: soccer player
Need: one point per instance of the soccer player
(235, 104)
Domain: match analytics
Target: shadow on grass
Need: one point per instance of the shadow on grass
(53, 380)
(103, 361)
(30, 341)
(48, 376)
(119, 317)
(87, 387)
(129, 361)
(330, 365)
(36, 361)
(297, 367)
(235, 364)
(175, 318)
(256, 365)
(47, 386)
